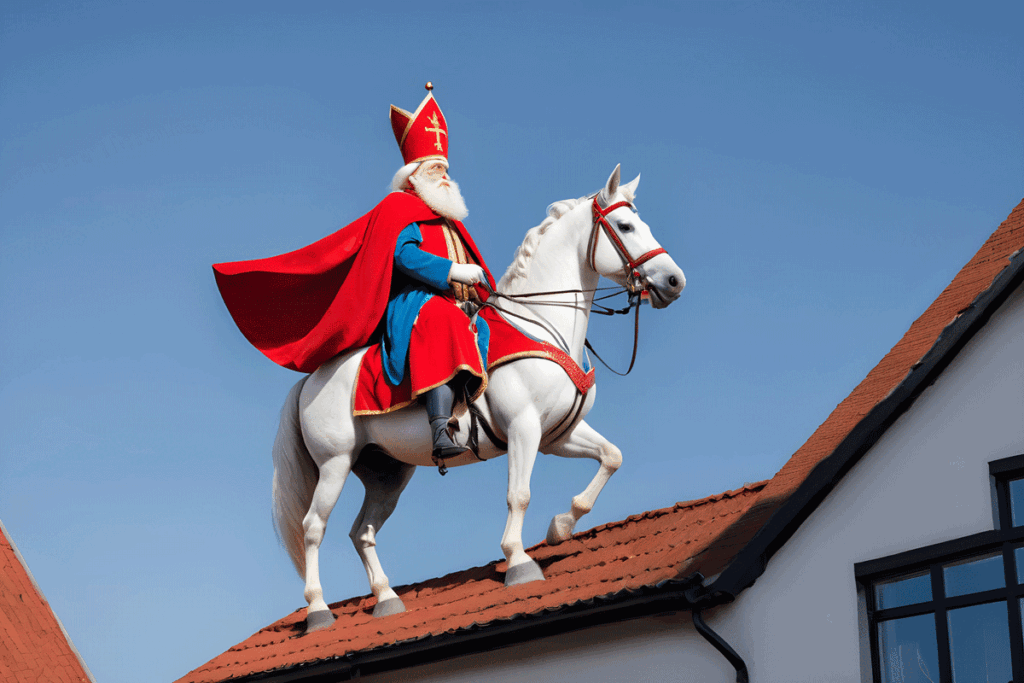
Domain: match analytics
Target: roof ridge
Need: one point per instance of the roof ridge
(749, 487)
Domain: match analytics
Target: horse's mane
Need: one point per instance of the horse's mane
(519, 269)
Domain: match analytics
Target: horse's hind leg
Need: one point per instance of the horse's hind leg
(384, 478)
(333, 473)
(583, 442)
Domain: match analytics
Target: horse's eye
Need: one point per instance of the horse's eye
(625, 227)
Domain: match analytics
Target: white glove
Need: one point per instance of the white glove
(466, 274)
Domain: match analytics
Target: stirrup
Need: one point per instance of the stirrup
(443, 444)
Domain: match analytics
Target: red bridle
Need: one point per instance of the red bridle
(635, 278)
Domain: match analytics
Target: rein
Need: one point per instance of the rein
(478, 422)
(635, 300)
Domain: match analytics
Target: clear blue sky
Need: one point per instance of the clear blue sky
(820, 171)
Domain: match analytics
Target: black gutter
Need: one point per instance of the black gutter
(751, 561)
(700, 598)
(722, 646)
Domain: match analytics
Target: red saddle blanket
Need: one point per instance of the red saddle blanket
(375, 395)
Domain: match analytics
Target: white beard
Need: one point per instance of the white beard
(445, 200)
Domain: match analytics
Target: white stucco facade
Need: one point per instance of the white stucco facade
(925, 481)
(661, 648)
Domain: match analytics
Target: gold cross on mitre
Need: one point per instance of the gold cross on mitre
(437, 131)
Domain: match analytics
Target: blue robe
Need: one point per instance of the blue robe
(430, 276)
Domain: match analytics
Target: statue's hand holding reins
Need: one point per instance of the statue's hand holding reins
(466, 274)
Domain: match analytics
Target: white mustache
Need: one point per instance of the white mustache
(441, 195)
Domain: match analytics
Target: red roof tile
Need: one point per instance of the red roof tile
(33, 645)
(641, 551)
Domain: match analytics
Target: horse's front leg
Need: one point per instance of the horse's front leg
(523, 439)
(583, 442)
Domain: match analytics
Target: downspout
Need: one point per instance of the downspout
(700, 598)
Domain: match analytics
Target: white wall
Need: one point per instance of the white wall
(925, 481)
(656, 649)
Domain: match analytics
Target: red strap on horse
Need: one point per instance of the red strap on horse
(600, 218)
(647, 257)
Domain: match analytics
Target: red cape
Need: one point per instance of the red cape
(306, 306)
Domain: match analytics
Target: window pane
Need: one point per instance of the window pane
(1018, 556)
(908, 650)
(979, 643)
(908, 590)
(1017, 502)
(974, 575)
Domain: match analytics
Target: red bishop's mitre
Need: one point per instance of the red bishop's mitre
(423, 134)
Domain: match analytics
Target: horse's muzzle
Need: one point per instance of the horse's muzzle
(665, 282)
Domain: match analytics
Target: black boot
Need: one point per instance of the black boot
(439, 402)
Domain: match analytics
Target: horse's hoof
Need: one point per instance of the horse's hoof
(523, 573)
(317, 621)
(561, 528)
(385, 608)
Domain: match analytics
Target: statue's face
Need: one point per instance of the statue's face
(434, 172)
(441, 193)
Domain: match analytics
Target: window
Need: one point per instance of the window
(952, 612)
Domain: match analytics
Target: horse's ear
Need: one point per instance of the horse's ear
(613, 184)
(631, 185)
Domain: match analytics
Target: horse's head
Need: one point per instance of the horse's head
(622, 248)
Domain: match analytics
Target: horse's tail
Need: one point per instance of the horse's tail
(295, 477)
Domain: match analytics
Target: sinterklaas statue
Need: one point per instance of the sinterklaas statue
(416, 358)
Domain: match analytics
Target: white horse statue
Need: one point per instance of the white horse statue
(319, 441)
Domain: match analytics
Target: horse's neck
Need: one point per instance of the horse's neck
(557, 265)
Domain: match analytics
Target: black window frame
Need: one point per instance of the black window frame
(1005, 538)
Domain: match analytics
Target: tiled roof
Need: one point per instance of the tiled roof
(639, 551)
(33, 645)
(741, 527)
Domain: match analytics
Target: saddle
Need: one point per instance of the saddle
(374, 395)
